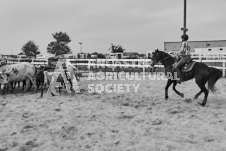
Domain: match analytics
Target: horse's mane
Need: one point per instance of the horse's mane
(166, 55)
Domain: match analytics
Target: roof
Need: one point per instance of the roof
(197, 41)
(130, 53)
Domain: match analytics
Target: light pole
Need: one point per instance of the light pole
(184, 28)
(80, 43)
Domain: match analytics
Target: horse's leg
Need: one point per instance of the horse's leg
(169, 82)
(206, 92)
(198, 94)
(177, 92)
(203, 89)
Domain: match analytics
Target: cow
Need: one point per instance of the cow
(18, 72)
(40, 76)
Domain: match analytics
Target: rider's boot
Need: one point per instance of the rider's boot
(179, 75)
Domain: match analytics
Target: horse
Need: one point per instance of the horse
(200, 71)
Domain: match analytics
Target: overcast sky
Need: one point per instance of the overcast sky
(137, 25)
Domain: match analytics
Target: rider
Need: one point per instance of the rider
(184, 54)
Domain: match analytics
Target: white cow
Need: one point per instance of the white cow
(18, 72)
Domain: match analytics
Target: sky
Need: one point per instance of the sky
(136, 25)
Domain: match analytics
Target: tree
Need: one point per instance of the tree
(116, 49)
(30, 49)
(60, 46)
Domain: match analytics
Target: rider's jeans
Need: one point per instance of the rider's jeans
(182, 61)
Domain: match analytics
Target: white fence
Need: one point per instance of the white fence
(32, 61)
(209, 56)
(134, 63)
(219, 58)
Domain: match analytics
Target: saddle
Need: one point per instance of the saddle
(188, 66)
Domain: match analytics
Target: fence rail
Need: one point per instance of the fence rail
(209, 56)
(211, 59)
(135, 63)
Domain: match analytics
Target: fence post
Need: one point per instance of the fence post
(200, 57)
(89, 65)
(105, 67)
(113, 67)
(143, 70)
(96, 68)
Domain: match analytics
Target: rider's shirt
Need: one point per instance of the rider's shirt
(185, 49)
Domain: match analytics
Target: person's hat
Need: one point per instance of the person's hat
(185, 37)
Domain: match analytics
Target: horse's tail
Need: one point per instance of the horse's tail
(215, 74)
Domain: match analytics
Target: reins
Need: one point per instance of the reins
(165, 59)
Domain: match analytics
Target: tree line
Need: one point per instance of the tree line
(60, 46)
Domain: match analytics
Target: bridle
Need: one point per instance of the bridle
(162, 60)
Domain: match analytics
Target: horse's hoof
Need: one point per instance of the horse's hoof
(182, 95)
(166, 98)
(196, 97)
(202, 104)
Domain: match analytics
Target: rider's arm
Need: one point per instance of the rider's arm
(182, 48)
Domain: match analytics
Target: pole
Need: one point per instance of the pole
(185, 3)
(80, 46)
(185, 19)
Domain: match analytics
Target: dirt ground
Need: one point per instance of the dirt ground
(129, 121)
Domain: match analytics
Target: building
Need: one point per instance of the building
(133, 55)
(82, 55)
(213, 45)
(213, 50)
(114, 56)
(44, 56)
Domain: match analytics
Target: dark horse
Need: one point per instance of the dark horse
(201, 72)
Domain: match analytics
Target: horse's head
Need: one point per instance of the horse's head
(156, 57)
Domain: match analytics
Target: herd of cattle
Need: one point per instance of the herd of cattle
(31, 76)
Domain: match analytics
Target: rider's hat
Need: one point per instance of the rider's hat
(184, 37)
